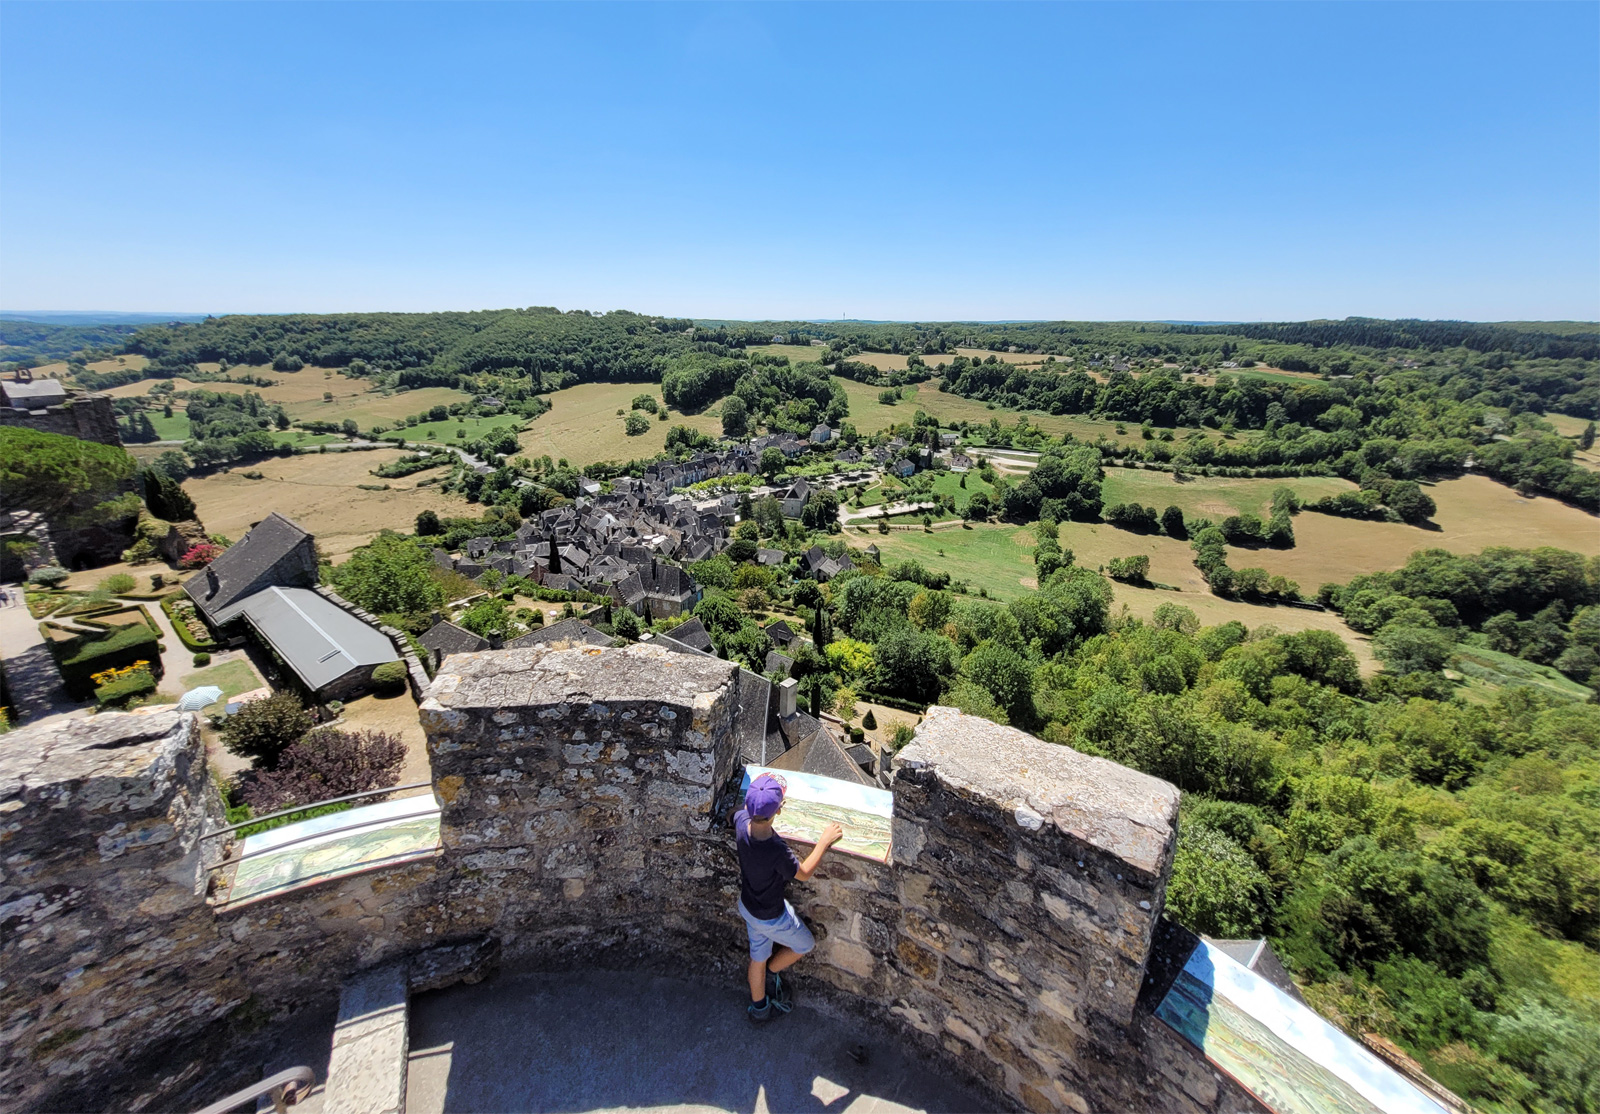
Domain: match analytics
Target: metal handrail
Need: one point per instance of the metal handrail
(317, 804)
(286, 1088)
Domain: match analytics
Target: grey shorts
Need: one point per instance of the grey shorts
(788, 930)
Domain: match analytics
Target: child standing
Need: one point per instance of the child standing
(778, 936)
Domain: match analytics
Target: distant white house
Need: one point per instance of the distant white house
(821, 435)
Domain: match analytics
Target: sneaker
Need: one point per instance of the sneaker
(779, 991)
(762, 1015)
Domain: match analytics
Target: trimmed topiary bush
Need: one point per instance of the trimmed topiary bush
(126, 688)
(869, 721)
(51, 576)
(390, 676)
(202, 658)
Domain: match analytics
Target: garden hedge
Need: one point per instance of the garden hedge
(135, 684)
(167, 605)
(81, 656)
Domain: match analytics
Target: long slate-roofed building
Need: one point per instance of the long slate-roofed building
(332, 652)
(276, 553)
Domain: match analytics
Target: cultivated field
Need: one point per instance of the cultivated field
(583, 425)
(116, 363)
(367, 407)
(1000, 560)
(293, 389)
(1474, 513)
(889, 361)
(797, 353)
(320, 492)
(870, 415)
(1214, 497)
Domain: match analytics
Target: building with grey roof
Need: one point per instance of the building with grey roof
(445, 638)
(34, 395)
(568, 632)
(331, 651)
(276, 553)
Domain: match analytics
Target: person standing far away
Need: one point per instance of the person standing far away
(778, 937)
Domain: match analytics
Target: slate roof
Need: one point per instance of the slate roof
(318, 639)
(693, 633)
(770, 557)
(567, 630)
(780, 633)
(237, 569)
(778, 663)
(446, 638)
(814, 750)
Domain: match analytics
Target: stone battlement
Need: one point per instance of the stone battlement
(583, 825)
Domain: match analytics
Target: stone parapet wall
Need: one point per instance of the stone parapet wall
(87, 417)
(584, 798)
(577, 788)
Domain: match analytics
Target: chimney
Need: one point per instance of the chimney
(788, 695)
(495, 640)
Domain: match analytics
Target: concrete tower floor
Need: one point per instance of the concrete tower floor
(604, 1041)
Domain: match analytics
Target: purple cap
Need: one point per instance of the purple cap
(764, 797)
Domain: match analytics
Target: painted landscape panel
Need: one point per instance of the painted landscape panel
(1279, 1050)
(340, 844)
(811, 803)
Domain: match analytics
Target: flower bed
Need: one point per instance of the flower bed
(192, 630)
(116, 685)
(41, 604)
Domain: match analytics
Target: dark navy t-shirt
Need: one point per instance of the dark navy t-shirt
(765, 867)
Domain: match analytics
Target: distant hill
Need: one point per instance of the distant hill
(93, 317)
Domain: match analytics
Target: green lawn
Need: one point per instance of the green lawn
(299, 437)
(945, 483)
(1213, 497)
(996, 558)
(175, 428)
(445, 432)
(231, 677)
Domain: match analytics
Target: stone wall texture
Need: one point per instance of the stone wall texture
(585, 794)
(88, 417)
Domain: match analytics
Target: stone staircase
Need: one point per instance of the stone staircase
(371, 1038)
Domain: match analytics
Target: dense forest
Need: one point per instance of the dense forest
(32, 343)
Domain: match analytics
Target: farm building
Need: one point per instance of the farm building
(332, 652)
(276, 553)
(266, 581)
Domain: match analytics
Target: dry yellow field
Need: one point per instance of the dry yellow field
(1566, 424)
(320, 492)
(291, 387)
(1474, 513)
(370, 407)
(583, 425)
(104, 367)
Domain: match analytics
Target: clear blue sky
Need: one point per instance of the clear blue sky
(1189, 161)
